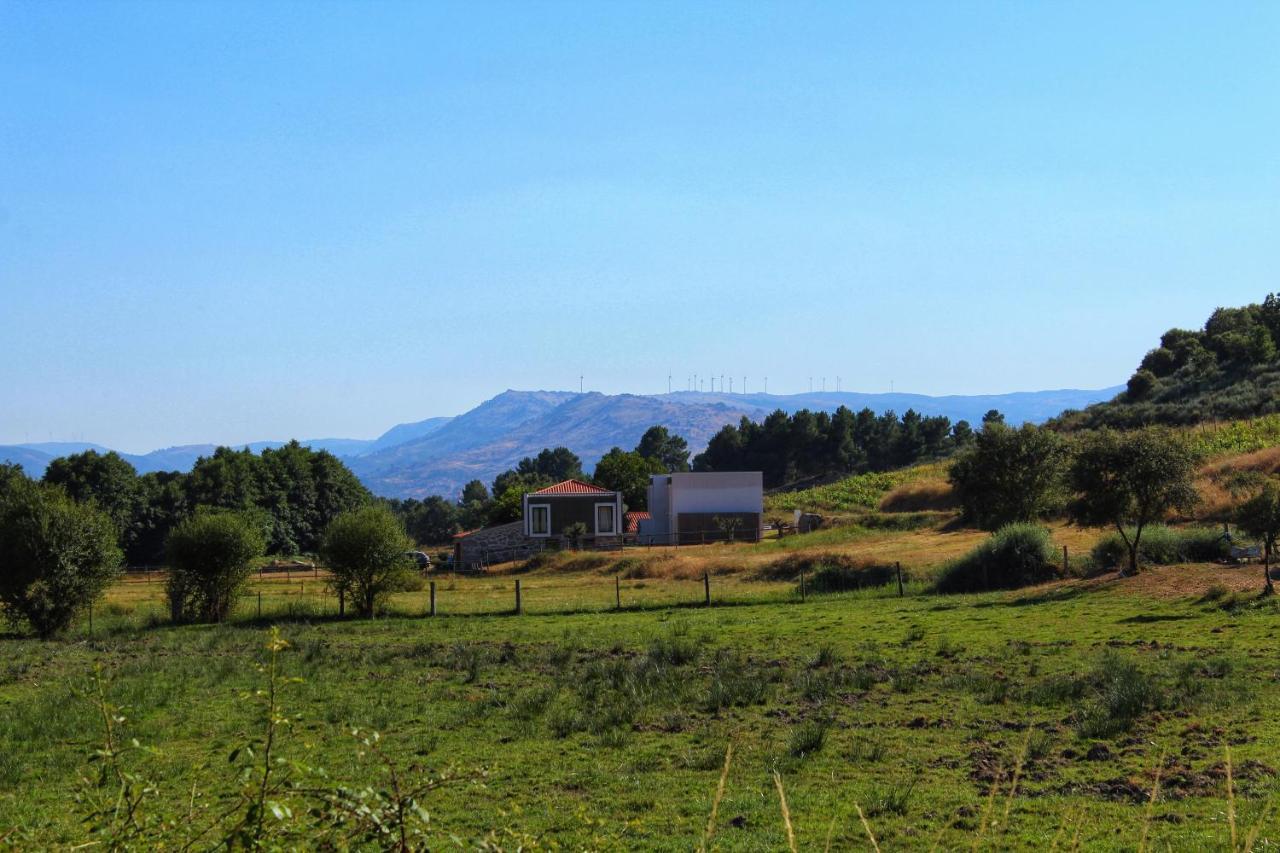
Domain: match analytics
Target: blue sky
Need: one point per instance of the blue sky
(225, 222)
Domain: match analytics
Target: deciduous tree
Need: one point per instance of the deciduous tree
(365, 551)
(1129, 480)
(1010, 475)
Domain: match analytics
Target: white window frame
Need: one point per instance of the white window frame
(533, 507)
(613, 505)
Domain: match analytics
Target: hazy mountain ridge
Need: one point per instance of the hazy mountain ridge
(439, 455)
(590, 424)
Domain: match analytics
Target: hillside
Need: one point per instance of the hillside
(1227, 369)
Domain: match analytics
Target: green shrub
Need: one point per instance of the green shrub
(364, 550)
(1014, 556)
(56, 556)
(1162, 546)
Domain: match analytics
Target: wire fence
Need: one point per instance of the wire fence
(139, 600)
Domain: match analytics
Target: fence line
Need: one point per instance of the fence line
(495, 597)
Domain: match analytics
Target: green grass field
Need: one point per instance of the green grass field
(1020, 720)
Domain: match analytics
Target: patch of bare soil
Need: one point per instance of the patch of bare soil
(1157, 582)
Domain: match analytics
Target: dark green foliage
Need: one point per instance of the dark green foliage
(364, 549)
(792, 448)
(301, 489)
(627, 473)
(1226, 370)
(1014, 556)
(430, 521)
(104, 479)
(57, 556)
(668, 451)
(1140, 384)
(162, 502)
(473, 508)
(210, 556)
(1130, 480)
(1010, 475)
(474, 492)
(551, 465)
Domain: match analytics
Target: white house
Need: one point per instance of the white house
(690, 508)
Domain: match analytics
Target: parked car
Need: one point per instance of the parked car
(423, 560)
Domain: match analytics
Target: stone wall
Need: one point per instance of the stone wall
(495, 544)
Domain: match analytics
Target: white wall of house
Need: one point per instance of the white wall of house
(702, 492)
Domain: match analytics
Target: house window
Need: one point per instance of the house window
(605, 519)
(539, 520)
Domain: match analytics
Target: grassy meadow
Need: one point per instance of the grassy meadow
(1039, 718)
(1094, 712)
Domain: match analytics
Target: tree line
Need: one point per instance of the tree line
(793, 448)
(293, 491)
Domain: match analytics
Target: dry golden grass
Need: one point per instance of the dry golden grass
(920, 496)
(1223, 483)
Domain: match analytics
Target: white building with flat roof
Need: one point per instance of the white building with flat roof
(711, 506)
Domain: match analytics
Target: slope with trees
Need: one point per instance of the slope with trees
(1229, 368)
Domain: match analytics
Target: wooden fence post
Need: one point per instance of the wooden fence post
(706, 586)
(433, 598)
(898, 567)
(519, 605)
(1066, 562)
(617, 590)
(259, 604)
(802, 589)
(342, 601)
(90, 618)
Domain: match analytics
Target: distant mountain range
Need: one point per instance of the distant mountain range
(439, 455)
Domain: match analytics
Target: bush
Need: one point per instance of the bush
(843, 578)
(209, 556)
(365, 551)
(1162, 546)
(829, 572)
(1014, 556)
(56, 556)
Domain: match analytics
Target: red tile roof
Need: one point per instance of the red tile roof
(633, 520)
(572, 487)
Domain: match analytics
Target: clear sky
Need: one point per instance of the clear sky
(235, 221)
